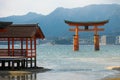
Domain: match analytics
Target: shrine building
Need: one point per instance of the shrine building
(18, 45)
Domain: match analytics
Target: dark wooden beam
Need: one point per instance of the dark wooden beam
(82, 30)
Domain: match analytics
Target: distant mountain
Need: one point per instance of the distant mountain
(23, 18)
(53, 24)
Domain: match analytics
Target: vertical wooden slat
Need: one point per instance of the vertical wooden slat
(8, 46)
(35, 44)
(21, 46)
(12, 46)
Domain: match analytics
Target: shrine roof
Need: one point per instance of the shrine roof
(4, 24)
(22, 31)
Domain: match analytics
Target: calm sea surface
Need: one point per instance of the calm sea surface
(86, 64)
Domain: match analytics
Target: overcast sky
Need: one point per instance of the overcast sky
(21, 7)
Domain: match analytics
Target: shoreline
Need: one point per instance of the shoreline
(17, 72)
(114, 68)
(115, 76)
(24, 71)
(112, 77)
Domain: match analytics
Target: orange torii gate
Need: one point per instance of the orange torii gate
(86, 25)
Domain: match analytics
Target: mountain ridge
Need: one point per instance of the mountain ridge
(53, 24)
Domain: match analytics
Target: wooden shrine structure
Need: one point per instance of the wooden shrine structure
(18, 45)
(88, 26)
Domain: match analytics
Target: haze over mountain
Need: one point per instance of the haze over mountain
(53, 24)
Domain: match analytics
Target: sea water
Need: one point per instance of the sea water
(66, 64)
(85, 64)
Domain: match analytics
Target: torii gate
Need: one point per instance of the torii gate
(94, 28)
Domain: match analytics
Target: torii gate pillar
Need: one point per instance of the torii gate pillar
(96, 42)
(96, 38)
(76, 40)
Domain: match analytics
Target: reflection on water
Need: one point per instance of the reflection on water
(19, 77)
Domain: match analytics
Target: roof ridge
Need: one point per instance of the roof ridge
(24, 25)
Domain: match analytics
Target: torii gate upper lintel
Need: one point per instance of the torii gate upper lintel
(95, 29)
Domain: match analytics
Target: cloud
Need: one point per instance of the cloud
(17, 7)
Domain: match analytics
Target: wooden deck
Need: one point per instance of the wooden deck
(15, 62)
(17, 59)
(12, 58)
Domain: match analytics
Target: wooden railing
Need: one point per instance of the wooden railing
(18, 52)
(3, 52)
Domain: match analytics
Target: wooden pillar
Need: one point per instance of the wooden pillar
(96, 39)
(31, 52)
(35, 63)
(23, 63)
(8, 51)
(3, 64)
(13, 64)
(27, 47)
(26, 52)
(76, 40)
(8, 46)
(18, 64)
(22, 47)
(12, 46)
(9, 64)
